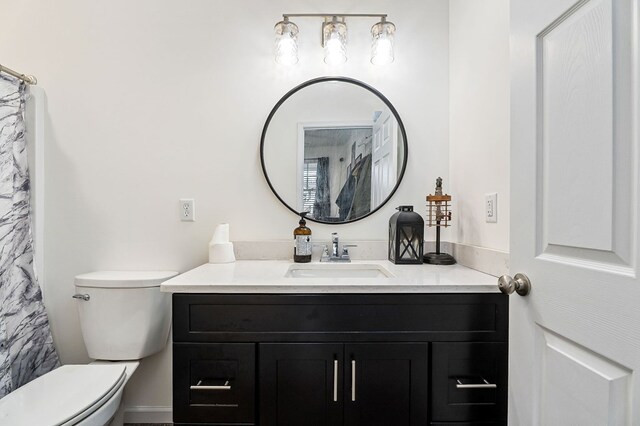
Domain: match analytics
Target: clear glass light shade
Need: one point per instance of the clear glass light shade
(334, 35)
(382, 35)
(286, 43)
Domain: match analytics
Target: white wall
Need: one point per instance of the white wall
(479, 120)
(151, 101)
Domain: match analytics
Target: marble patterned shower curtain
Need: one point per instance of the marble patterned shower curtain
(26, 345)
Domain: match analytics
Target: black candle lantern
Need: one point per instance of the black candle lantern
(406, 236)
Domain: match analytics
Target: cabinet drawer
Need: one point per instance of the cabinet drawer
(214, 383)
(469, 382)
(370, 317)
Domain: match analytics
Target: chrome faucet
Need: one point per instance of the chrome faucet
(335, 250)
(334, 244)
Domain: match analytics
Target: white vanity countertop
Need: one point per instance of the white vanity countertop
(268, 276)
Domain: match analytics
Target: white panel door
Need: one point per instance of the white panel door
(575, 339)
(383, 157)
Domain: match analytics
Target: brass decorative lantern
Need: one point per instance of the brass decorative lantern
(406, 236)
(438, 215)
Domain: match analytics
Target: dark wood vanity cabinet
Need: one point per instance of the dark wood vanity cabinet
(340, 359)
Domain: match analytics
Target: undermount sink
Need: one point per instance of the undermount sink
(337, 270)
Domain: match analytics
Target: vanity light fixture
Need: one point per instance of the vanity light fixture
(334, 38)
(382, 35)
(286, 42)
(334, 41)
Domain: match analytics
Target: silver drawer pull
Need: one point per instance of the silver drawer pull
(84, 297)
(353, 380)
(226, 386)
(485, 385)
(335, 380)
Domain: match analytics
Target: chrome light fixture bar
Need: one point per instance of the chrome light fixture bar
(334, 38)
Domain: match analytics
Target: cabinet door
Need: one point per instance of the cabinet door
(386, 384)
(301, 384)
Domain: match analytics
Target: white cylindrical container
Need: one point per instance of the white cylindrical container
(221, 253)
(220, 248)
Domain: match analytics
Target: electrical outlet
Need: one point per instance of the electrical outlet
(491, 207)
(187, 210)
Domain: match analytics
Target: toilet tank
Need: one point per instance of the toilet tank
(123, 314)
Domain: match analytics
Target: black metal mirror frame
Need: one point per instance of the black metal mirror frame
(344, 80)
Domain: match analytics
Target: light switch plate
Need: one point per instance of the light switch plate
(491, 207)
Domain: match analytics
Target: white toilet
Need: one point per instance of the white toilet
(124, 317)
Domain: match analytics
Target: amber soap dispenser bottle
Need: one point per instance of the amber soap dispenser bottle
(302, 238)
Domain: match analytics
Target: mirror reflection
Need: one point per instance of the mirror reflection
(335, 149)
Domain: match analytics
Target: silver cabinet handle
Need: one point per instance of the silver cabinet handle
(353, 380)
(485, 385)
(84, 297)
(335, 380)
(226, 386)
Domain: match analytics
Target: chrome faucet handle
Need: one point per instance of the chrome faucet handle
(334, 237)
(345, 251)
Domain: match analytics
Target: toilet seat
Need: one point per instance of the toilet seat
(63, 397)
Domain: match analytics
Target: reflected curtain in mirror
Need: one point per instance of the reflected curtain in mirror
(321, 205)
(361, 205)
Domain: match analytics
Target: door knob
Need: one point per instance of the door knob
(519, 283)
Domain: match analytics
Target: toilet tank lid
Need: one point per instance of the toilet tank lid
(123, 279)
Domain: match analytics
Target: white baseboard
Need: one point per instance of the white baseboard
(148, 414)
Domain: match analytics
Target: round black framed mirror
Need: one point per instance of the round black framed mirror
(335, 147)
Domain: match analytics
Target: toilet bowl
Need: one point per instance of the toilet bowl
(87, 395)
(124, 317)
